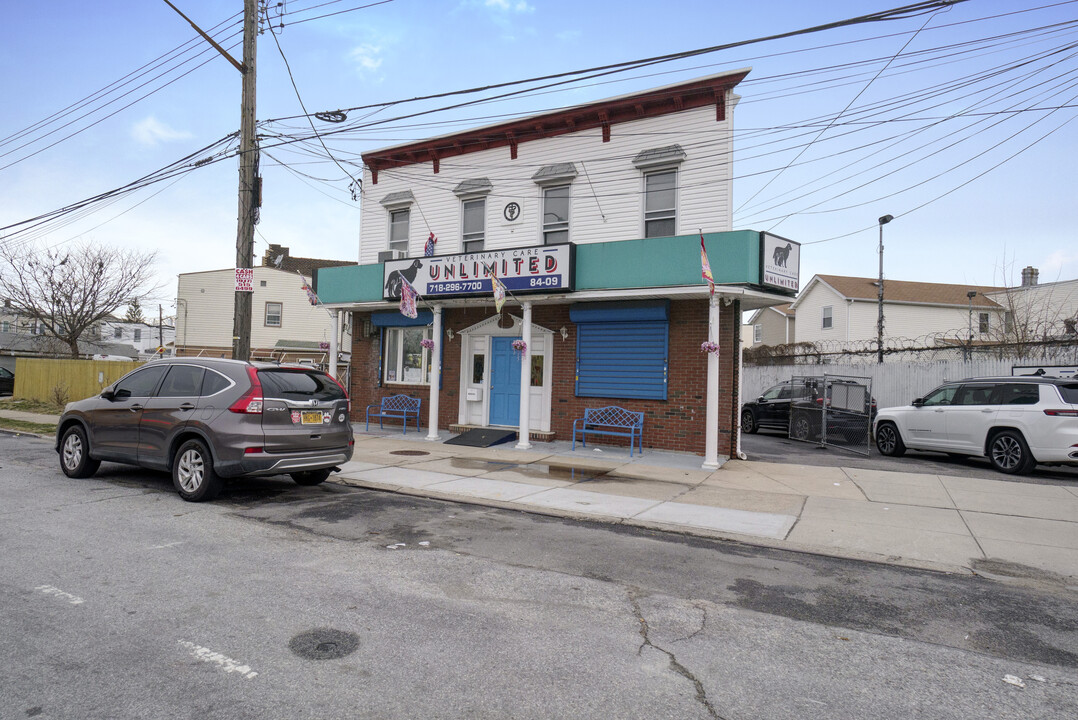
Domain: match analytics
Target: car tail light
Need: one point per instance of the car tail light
(252, 451)
(250, 403)
(1062, 413)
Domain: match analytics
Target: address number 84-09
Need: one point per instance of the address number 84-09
(552, 281)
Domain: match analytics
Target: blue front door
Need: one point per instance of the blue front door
(504, 382)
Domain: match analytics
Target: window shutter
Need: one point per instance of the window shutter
(622, 359)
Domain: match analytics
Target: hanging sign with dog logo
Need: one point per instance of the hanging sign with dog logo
(543, 268)
(780, 262)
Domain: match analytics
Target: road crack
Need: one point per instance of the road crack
(645, 634)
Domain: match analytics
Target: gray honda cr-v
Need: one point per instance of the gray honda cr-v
(205, 419)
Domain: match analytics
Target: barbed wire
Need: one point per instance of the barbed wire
(937, 347)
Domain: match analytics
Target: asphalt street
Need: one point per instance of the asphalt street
(119, 600)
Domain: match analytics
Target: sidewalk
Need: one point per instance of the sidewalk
(988, 525)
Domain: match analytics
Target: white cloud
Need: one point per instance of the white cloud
(1058, 266)
(366, 57)
(519, 6)
(568, 35)
(152, 131)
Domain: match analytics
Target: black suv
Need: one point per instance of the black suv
(772, 409)
(205, 419)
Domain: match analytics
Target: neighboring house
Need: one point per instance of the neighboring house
(23, 336)
(285, 327)
(591, 216)
(1033, 311)
(844, 310)
(772, 326)
(144, 337)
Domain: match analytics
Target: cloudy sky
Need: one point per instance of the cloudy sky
(960, 123)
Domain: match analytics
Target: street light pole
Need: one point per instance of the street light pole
(969, 346)
(879, 297)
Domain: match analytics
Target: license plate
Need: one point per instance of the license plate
(312, 417)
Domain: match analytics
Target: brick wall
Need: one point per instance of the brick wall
(678, 423)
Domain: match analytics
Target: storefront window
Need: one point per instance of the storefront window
(406, 360)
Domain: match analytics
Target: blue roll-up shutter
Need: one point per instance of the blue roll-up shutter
(622, 359)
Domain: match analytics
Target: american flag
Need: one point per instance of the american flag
(408, 299)
(428, 249)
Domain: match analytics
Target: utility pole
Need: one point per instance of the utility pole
(879, 297)
(250, 194)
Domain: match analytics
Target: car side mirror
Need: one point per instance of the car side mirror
(761, 399)
(108, 394)
(918, 402)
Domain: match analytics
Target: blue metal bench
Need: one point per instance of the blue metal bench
(611, 420)
(396, 406)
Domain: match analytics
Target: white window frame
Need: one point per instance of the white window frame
(399, 244)
(757, 333)
(473, 237)
(545, 227)
(137, 335)
(393, 367)
(665, 213)
(280, 315)
(984, 323)
(828, 321)
(117, 332)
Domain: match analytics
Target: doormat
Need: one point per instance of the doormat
(482, 437)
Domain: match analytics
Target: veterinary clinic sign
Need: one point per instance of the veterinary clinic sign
(780, 262)
(544, 268)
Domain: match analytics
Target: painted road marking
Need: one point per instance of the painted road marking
(222, 661)
(50, 590)
(161, 547)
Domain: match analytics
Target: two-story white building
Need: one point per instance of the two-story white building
(593, 218)
(844, 310)
(149, 340)
(772, 326)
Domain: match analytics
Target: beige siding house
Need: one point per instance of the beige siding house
(284, 325)
(772, 326)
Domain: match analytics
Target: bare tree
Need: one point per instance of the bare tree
(71, 289)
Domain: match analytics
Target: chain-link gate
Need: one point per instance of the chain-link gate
(835, 410)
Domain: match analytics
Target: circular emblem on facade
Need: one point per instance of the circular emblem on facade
(511, 211)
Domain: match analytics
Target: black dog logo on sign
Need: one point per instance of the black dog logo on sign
(782, 254)
(394, 284)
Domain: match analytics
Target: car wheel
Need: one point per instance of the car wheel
(193, 473)
(889, 441)
(802, 429)
(748, 422)
(1009, 453)
(75, 458)
(310, 477)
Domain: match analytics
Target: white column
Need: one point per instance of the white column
(524, 442)
(334, 344)
(711, 446)
(435, 373)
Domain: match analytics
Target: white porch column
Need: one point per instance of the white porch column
(435, 373)
(334, 344)
(711, 446)
(524, 442)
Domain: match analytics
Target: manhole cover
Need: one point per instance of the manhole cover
(324, 644)
(408, 452)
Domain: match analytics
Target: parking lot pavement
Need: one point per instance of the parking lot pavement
(775, 446)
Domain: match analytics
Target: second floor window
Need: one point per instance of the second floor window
(827, 320)
(117, 332)
(473, 224)
(660, 204)
(273, 314)
(556, 214)
(138, 335)
(398, 230)
(982, 323)
(757, 333)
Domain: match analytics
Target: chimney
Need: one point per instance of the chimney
(1029, 276)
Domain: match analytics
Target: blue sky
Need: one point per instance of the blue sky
(891, 152)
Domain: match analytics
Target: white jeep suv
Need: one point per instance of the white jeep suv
(1016, 422)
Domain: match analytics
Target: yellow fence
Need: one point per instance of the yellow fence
(50, 380)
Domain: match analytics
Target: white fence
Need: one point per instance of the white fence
(893, 383)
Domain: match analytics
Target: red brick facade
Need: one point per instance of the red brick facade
(678, 423)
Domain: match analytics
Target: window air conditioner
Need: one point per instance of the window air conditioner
(391, 255)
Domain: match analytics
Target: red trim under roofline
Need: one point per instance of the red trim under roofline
(604, 114)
